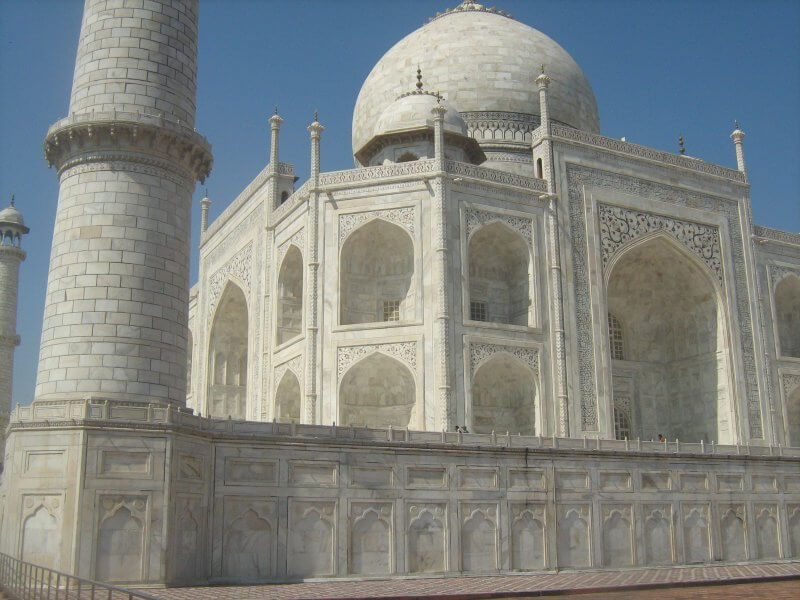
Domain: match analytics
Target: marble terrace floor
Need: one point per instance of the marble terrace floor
(776, 581)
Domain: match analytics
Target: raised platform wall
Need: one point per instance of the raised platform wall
(164, 496)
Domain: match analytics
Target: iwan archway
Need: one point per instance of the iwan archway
(227, 356)
(669, 356)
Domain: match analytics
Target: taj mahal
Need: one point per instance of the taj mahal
(502, 342)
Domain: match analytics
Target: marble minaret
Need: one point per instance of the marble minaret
(127, 157)
(12, 228)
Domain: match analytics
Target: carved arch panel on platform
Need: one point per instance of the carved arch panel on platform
(228, 356)
(676, 341)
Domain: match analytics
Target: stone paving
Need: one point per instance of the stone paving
(600, 584)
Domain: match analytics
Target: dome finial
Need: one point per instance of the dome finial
(681, 147)
(419, 78)
(12, 196)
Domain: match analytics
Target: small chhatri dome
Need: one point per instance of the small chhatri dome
(412, 110)
(483, 61)
(11, 216)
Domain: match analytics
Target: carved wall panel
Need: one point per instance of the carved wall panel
(528, 541)
(574, 536)
(475, 218)
(793, 512)
(250, 471)
(239, 267)
(405, 217)
(579, 178)
(480, 352)
(191, 468)
(479, 543)
(620, 226)
(618, 536)
(426, 536)
(190, 515)
(298, 239)
(248, 543)
(41, 529)
(767, 535)
(659, 546)
(371, 538)
(405, 352)
(122, 522)
(732, 531)
(696, 533)
(312, 538)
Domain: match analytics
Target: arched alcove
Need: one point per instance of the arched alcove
(793, 418)
(227, 386)
(499, 276)
(503, 397)
(290, 296)
(787, 311)
(287, 399)
(674, 343)
(119, 548)
(376, 275)
(378, 391)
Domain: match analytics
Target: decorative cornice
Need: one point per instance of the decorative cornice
(777, 235)
(503, 177)
(132, 137)
(377, 173)
(693, 164)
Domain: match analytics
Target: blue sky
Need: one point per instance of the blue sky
(658, 69)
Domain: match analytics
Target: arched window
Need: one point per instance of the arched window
(622, 418)
(227, 385)
(615, 338)
(290, 296)
(539, 170)
(499, 276)
(787, 309)
(376, 275)
(284, 196)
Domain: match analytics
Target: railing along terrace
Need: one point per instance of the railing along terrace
(118, 413)
(22, 580)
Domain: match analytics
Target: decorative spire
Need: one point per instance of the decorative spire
(316, 117)
(12, 199)
(681, 147)
(738, 139)
(276, 109)
(543, 80)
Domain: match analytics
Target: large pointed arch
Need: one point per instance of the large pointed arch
(290, 296)
(499, 262)
(377, 391)
(227, 356)
(676, 349)
(504, 396)
(787, 313)
(376, 281)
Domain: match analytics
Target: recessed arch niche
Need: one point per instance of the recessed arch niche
(504, 396)
(287, 399)
(290, 296)
(227, 369)
(377, 275)
(499, 275)
(378, 391)
(675, 343)
(793, 417)
(787, 311)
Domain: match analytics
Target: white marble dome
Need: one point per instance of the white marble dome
(481, 61)
(10, 214)
(413, 110)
